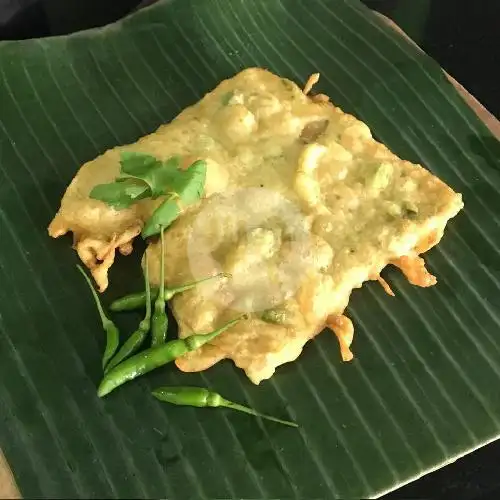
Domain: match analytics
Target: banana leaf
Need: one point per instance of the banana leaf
(424, 387)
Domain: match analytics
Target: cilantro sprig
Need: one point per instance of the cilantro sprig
(143, 176)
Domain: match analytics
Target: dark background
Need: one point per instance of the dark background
(462, 35)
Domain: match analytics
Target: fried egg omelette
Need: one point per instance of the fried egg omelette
(301, 206)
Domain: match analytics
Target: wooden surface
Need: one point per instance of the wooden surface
(8, 488)
(491, 122)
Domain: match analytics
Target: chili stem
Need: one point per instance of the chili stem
(159, 323)
(170, 292)
(112, 333)
(250, 411)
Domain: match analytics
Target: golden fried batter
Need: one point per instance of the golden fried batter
(301, 206)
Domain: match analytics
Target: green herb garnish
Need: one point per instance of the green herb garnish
(144, 176)
(156, 174)
(120, 194)
(186, 188)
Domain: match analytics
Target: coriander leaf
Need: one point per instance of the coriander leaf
(135, 190)
(187, 186)
(147, 168)
(162, 217)
(143, 176)
(166, 174)
(137, 163)
(173, 163)
(120, 195)
(189, 183)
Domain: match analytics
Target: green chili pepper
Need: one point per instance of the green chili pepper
(133, 301)
(137, 338)
(203, 398)
(159, 321)
(138, 300)
(112, 333)
(170, 292)
(156, 357)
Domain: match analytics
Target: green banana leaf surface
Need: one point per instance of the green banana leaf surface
(424, 387)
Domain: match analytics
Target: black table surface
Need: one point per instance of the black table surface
(462, 35)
